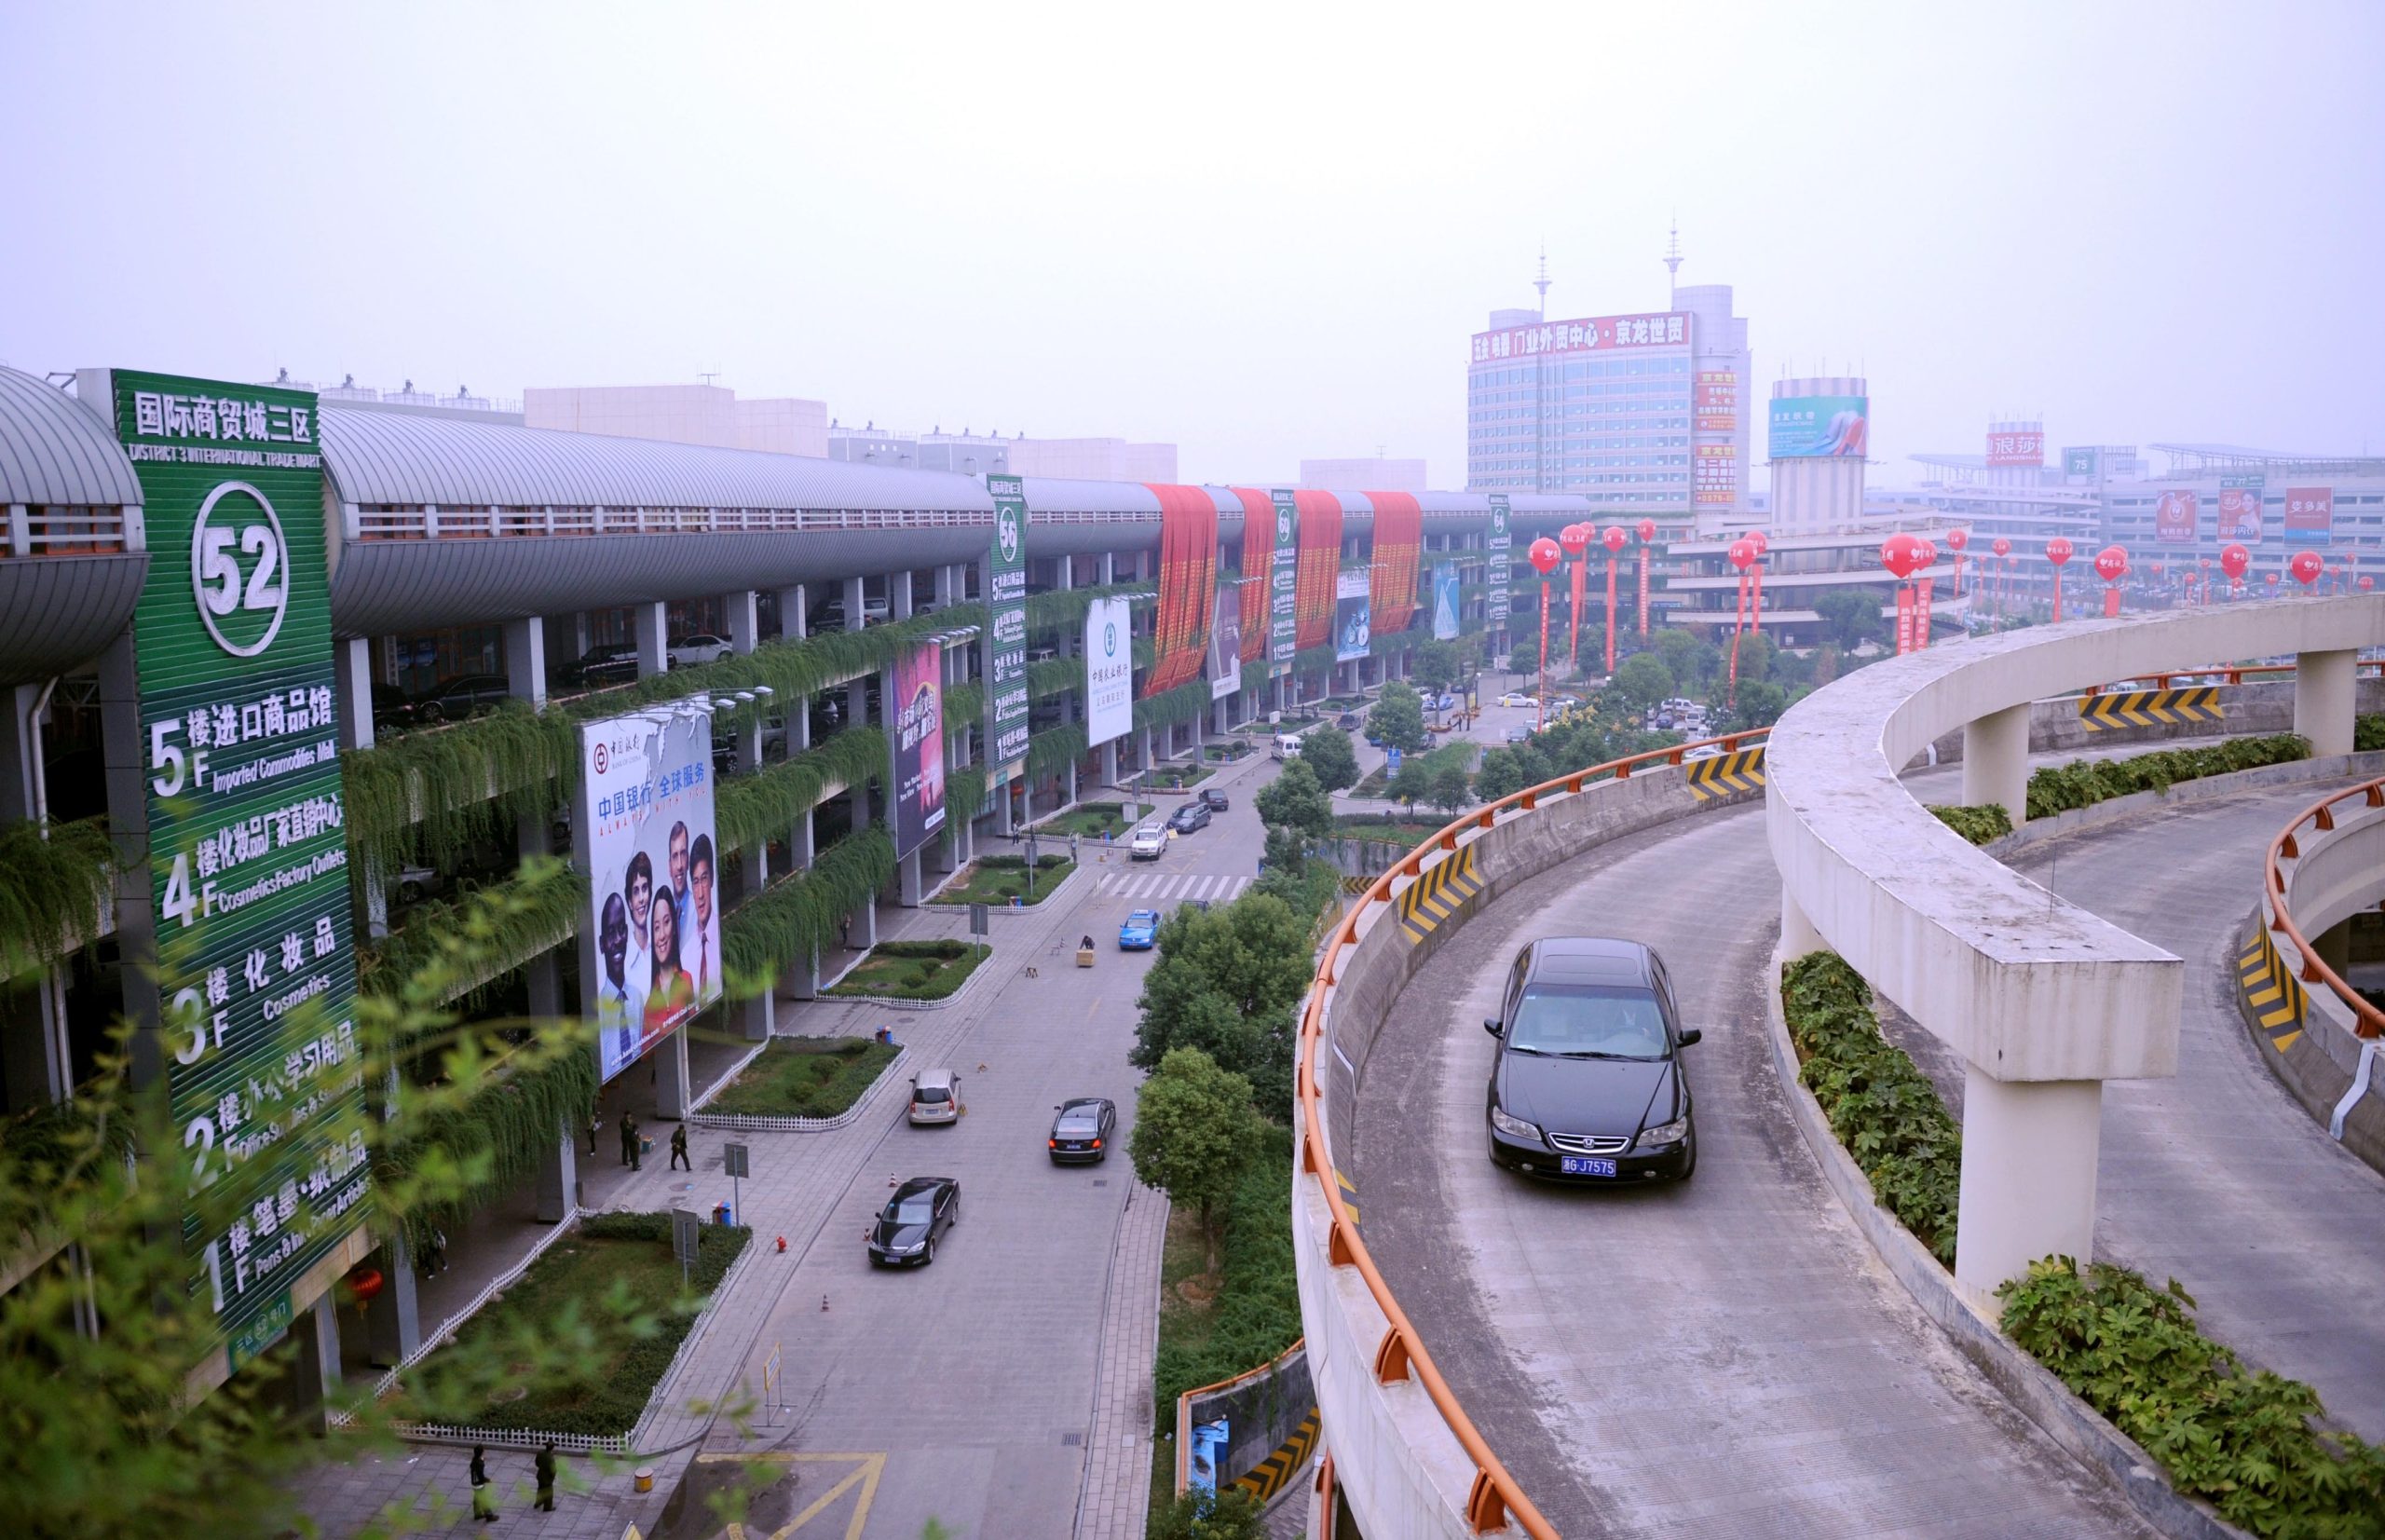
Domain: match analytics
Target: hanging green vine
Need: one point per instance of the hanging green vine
(51, 890)
(964, 792)
(1183, 703)
(525, 1104)
(964, 707)
(1057, 610)
(499, 927)
(771, 936)
(1053, 748)
(749, 809)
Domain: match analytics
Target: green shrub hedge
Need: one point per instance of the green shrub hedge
(911, 969)
(2242, 1442)
(1880, 1106)
(805, 1078)
(2084, 782)
(2368, 733)
(1257, 1313)
(1978, 826)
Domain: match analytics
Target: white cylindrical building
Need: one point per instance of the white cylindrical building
(1816, 434)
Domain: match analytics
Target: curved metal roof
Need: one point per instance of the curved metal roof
(54, 449)
(1063, 495)
(402, 458)
(57, 611)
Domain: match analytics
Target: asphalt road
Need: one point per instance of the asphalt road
(1721, 1358)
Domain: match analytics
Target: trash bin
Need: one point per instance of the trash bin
(720, 1214)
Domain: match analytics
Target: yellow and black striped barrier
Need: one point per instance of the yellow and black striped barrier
(1438, 895)
(1723, 775)
(2144, 708)
(2276, 997)
(1265, 1479)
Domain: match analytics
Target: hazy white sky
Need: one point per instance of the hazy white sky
(1262, 233)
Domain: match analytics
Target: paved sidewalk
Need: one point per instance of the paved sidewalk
(1115, 1498)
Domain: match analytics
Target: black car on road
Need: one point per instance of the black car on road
(1213, 800)
(1588, 1084)
(1081, 1131)
(913, 1221)
(1191, 816)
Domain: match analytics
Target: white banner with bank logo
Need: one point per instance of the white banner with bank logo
(1109, 671)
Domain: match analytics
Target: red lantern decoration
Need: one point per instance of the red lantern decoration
(1958, 538)
(2002, 546)
(2159, 569)
(1615, 538)
(2270, 577)
(2366, 582)
(1574, 537)
(1544, 555)
(2305, 566)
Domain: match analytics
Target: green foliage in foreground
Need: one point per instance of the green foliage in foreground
(1980, 825)
(1227, 1514)
(1881, 1107)
(2242, 1442)
(51, 887)
(805, 1078)
(1257, 1313)
(612, 1290)
(2084, 782)
(2368, 733)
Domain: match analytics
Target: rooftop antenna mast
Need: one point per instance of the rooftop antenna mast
(1540, 283)
(1672, 268)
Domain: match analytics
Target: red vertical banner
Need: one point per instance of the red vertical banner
(2111, 601)
(1904, 619)
(1258, 565)
(1399, 533)
(1921, 614)
(1643, 590)
(1188, 585)
(1614, 559)
(1573, 618)
(1320, 564)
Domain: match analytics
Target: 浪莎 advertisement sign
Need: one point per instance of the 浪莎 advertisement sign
(2016, 448)
(2310, 515)
(1283, 578)
(1804, 428)
(248, 852)
(1444, 601)
(2240, 512)
(1108, 671)
(643, 831)
(1225, 641)
(916, 744)
(2176, 516)
(1006, 702)
(1352, 617)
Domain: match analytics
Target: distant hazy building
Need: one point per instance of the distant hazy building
(1637, 411)
(1094, 459)
(1364, 475)
(708, 414)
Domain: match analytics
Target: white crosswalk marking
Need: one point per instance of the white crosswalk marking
(1239, 883)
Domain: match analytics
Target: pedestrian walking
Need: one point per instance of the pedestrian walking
(484, 1491)
(679, 1149)
(629, 1142)
(434, 1253)
(547, 1476)
(595, 1123)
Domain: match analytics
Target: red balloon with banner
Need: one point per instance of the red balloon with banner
(2003, 550)
(1544, 555)
(1576, 539)
(2366, 582)
(1647, 533)
(1614, 539)
(2235, 561)
(1958, 540)
(1902, 554)
(2057, 553)
(2111, 565)
(2305, 567)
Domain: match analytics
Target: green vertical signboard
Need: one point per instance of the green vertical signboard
(1283, 592)
(1496, 603)
(247, 849)
(1006, 633)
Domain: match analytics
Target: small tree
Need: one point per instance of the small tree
(1760, 704)
(1643, 680)
(1195, 1128)
(1850, 617)
(1450, 792)
(1297, 800)
(1413, 785)
(1326, 752)
(1398, 719)
(1227, 1514)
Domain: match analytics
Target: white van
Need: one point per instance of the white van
(1148, 843)
(1288, 747)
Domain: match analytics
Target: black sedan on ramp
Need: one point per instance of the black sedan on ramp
(913, 1221)
(1587, 1082)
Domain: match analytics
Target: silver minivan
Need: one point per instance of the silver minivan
(936, 1096)
(1149, 843)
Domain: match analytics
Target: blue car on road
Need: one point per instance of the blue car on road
(1140, 932)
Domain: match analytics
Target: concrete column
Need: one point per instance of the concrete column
(674, 1086)
(1069, 784)
(1003, 821)
(2029, 1150)
(948, 584)
(910, 882)
(1149, 764)
(1108, 567)
(805, 985)
(393, 1318)
(315, 1371)
(794, 625)
(353, 660)
(22, 793)
(898, 595)
(864, 934)
(525, 660)
(559, 1166)
(1110, 763)
(1798, 936)
(1995, 762)
(2323, 701)
(1142, 566)
(744, 619)
(650, 626)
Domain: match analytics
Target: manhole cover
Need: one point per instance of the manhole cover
(1072, 1440)
(682, 1186)
(1101, 1181)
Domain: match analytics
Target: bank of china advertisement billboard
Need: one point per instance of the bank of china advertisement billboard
(1494, 597)
(643, 828)
(2175, 517)
(1352, 618)
(1283, 585)
(1006, 702)
(2240, 513)
(1444, 601)
(1225, 641)
(913, 689)
(1812, 427)
(1108, 671)
(2310, 515)
(248, 852)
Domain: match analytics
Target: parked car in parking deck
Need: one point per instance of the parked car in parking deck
(698, 648)
(917, 1214)
(1587, 1082)
(1140, 932)
(1083, 1130)
(1191, 816)
(610, 663)
(466, 695)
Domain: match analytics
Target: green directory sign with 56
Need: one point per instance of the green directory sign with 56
(248, 854)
